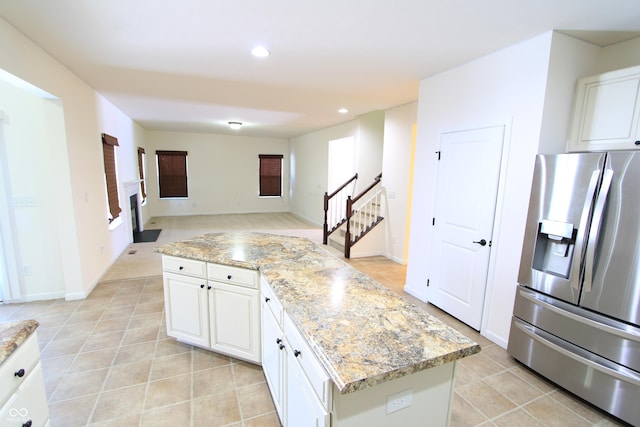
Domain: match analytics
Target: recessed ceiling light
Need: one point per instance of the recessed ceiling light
(260, 52)
(343, 111)
(235, 125)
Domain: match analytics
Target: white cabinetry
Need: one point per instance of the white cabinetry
(607, 112)
(234, 320)
(274, 356)
(23, 401)
(305, 396)
(186, 308)
(213, 306)
(300, 387)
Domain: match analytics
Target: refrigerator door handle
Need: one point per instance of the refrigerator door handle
(628, 334)
(576, 270)
(623, 374)
(594, 231)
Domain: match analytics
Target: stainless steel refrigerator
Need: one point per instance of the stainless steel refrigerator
(576, 317)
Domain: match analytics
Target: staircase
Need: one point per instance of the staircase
(348, 219)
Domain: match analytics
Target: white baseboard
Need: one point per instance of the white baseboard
(495, 338)
(420, 295)
(43, 296)
(399, 260)
(75, 296)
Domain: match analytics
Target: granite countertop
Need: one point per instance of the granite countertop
(362, 332)
(12, 334)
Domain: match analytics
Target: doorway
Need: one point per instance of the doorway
(465, 204)
(342, 162)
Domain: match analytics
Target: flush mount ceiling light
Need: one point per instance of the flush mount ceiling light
(343, 111)
(235, 125)
(260, 52)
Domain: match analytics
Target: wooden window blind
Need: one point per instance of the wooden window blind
(270, 174)
(172, 173)
(141, 158)
(109, 143)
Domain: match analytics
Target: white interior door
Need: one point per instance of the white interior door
(467, 187)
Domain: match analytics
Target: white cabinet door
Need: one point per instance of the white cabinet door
(607, 112)
(302, 406)
(273, 359)
(186, 309)
(235, 320)
(28, 406)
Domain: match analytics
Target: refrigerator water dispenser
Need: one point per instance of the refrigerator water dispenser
(554, 248)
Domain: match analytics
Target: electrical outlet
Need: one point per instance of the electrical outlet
(398, 401)
(24, 201)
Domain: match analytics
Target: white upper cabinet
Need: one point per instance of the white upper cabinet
(607, 112)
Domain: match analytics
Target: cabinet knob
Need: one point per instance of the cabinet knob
(19, 373)
(637, 142)
(281, 346)
(181, 268)
(278, 340)
(202, 286)
(296, 353)
(27, 424)
(267, 299)
(209, 287)
(229, 277)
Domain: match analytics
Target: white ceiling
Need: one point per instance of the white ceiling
(186, 65)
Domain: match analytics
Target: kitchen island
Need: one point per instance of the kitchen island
(23, 401)
(387, 360)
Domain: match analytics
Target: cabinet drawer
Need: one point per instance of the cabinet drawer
(237, 276)
(270, 300)
(312, 368)
(25, 357)
(29, 403)
(189, 267)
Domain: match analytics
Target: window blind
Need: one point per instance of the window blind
(109, 143)
(270, 174)
(172, 173)
(141, 157)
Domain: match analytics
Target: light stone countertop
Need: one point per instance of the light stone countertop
(12, 334)
(362, 332)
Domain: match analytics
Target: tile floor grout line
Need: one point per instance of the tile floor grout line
(505, 363)
(106, 379)
(150, 372)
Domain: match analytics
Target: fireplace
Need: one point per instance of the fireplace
(135, 214)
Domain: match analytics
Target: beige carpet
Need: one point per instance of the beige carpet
(140, 259)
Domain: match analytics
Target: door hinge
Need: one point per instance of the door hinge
(438, 153)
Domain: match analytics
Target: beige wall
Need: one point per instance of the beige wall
(223, 173)
(309, 165)
(396, 177)
(529, 88)
(86, 244)
(505, 88)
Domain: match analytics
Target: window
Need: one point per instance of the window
(271, 174)
(141, 168)
(109, 144)
(172, 174)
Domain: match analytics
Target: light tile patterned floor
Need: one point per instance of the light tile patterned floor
(108, 362)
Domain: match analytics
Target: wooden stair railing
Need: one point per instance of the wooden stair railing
(362, 214)
(334, 207)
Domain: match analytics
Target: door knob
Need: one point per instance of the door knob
(481, 242)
